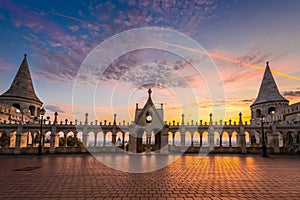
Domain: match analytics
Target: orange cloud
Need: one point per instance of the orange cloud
(230, 60)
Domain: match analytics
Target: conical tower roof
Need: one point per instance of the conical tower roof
(268, 91)
(22, 87)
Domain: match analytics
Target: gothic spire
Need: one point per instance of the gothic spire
(268, 91)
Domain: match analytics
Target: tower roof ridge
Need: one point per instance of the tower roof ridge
(268, 91)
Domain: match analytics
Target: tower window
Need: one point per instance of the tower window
(271, 111)
(148, 117)
(258, 113)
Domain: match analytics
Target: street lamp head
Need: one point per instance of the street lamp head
(42, 112)
(262, 118)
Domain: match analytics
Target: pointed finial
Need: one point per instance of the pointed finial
(267, 63)
(86, 118)
(55, 117)
(240, 119)
(25, 55)
(115, 118)
(182, 119)
(149, 92)
(210, 118)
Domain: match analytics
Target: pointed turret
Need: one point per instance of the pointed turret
(268, 91)
(269, 101)
(21, 93)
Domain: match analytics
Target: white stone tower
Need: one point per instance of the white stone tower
(21, 93)
(269, 101)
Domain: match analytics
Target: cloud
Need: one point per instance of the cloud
(5, 65)
(248, 100)
(60, 52)
(154, 75)
(291, 93)
(54, 108)
(74, 28)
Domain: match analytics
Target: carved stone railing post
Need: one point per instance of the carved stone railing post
(18, 139)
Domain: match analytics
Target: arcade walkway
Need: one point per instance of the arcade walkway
(190, 177)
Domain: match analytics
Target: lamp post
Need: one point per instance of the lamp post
(263, 147)
(42, 113)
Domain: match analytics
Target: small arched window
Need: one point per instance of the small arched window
(148, 117)
(271, 111)
(258, 113)
(32, 110)
(16, 105)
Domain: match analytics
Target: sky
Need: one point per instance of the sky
(234, 41)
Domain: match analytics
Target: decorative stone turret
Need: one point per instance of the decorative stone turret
(269, 101)
(21, 93)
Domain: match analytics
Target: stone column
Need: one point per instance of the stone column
(104, 139)
(211, 134)
(95, 139)
(18, 139)
(201, 138)
(242, 139)
(132, 140)
(123, 139)
(221, 140)
(182, 135)
(114, 131)
(275, 140)
(52, 139)
(164, 143)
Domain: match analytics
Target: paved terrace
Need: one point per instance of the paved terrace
(190, 177)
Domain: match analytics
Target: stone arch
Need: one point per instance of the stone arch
(258, 113)
(108, 139)
(225, 139)
(90, 139)
(32, 110)
(257, 137)
(156, 136)
(126, 138)
(289, 138)
(16, 105)
(247, 139)
(153, 138)
(47, 136)
(35, 138)
(196, 139)
(205, 139)
(298, 138)
(170, 138)
(177, 139)
(144, 137)
(119, 139)
(71, 139)
(234, 138)
(60, 136)
(79, 138)
(280, 139)
(4, 139)
(100, 139)
(217, 138)
(188, 141)
(12, 136)
(267, 137)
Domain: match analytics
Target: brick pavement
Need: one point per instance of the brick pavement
(190, 177)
